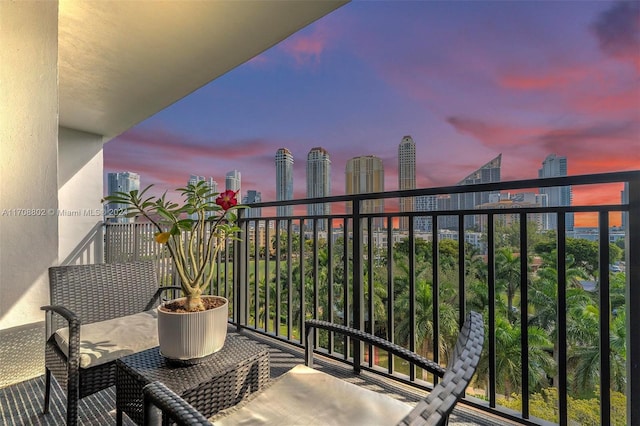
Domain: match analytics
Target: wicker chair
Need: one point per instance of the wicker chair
(434, 409)
(86, 294)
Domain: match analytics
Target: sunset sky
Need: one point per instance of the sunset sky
(467, 80)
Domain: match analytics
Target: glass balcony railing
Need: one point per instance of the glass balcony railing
(555, 285)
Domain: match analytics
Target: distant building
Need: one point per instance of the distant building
(425, 203)
(365, 175)
(284, 180)
(210, 183)
(556, 166)
(514, 201)
(120, 182)
(252, 197)
(489, 173)
(319, 183)
(233, 182)
(406, 176)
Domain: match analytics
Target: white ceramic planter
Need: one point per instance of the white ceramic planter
(192, 335)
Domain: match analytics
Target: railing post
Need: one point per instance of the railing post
(358, 294)
(240, 262)
(632, 262)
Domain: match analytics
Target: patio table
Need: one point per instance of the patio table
(225, 378)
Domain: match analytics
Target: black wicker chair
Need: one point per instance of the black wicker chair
(86, 294)
(434, 409)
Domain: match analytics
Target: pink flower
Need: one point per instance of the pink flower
(227, 199)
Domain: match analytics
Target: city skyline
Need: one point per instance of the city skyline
(466, 82)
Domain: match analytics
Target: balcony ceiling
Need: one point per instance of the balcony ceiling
(121, 62)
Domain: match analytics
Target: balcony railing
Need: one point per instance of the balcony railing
(557, 306)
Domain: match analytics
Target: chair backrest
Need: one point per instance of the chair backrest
(100, 292)
(438, 404)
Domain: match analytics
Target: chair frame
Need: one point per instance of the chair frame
(85, 294)
(434, 409)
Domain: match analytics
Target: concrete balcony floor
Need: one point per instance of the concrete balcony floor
(22, 383)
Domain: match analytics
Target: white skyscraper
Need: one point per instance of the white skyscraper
(555, 166)
(318, 182)
(233, 182)
(121, 182)
(284, 180)
(406, 176)
(212, 184)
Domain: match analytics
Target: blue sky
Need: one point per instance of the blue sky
(468, 80)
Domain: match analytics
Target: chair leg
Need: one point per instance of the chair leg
(73, 396)
(47, 390)
(72, 411)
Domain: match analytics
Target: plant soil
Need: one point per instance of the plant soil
(179, 305)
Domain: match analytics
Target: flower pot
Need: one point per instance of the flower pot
(186, 336)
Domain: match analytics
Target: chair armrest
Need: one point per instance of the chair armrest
(362, 336)
(74, 331)
(62, 311)
(172, 406)
(158, 293)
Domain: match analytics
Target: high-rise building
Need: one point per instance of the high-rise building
(252, 197)
(233, 182)
(488, 173)
(425, 203)
(210, 183)
(319, 183)
(284, 180)
(406, 176)
(120, 182)
(555, 166)
(364, 175)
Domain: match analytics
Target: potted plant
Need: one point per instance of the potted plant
(195, 325)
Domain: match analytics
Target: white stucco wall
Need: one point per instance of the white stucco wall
(80, 165)
(28, 157)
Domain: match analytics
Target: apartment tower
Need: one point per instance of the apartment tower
(284, 180)
(232, 181)
(488, 173)
(406, 176)
(253, 196)
(120, 182)
(211, 184)
(555, 166)
(319, 183)
(365, 175)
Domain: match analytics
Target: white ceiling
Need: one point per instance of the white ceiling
(120, 62)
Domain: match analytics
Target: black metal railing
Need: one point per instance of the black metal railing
(550, 306)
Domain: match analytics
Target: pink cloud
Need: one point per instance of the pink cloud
(307, 48)
(626, 101)
(492, 134)
(550, 79)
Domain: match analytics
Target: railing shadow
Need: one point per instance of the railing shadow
(89, 250)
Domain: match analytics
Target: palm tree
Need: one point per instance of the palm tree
(508, 358)
(584, 354)
(508, 277)
(543, 298)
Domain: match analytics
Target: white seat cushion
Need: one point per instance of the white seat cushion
(304, 396)
(106, 341)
